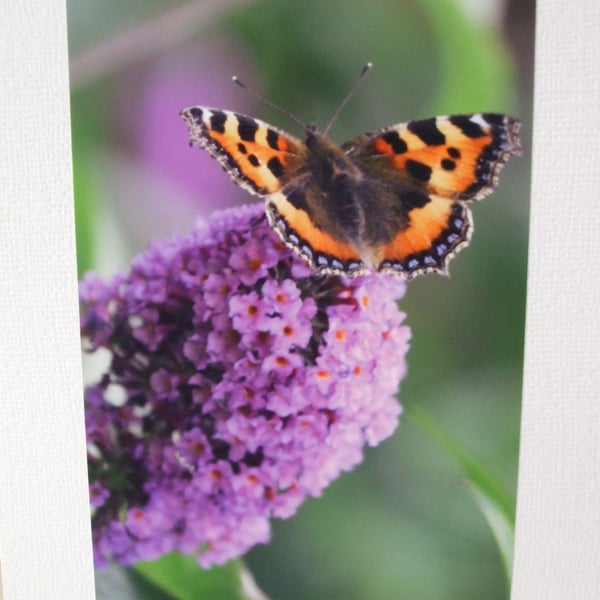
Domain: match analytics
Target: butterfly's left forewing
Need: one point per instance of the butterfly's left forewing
(258, 157)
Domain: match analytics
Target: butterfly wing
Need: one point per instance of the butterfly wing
(428, 170)
(457, 157)
(258, 157)
(435, 233)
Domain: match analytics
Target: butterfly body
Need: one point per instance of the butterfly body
(392, 201)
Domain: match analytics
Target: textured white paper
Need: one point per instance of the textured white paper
(45, 540)
(44, 520)
(558, 504)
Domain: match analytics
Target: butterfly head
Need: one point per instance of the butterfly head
(312, 136)
(317, 142)
(327, 160)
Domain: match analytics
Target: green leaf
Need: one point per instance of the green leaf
(501, 525)
(181, 578)
(489, 493)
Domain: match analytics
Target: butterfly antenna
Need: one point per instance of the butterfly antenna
(349, 95)
(268, 102)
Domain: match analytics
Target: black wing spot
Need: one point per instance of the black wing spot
(242, 148)
(196, 114)
(253, 160)
(217, 121)
(297, 198)
(395, 141)
(274, 165)
(427, 131)
(453, 152)
(494, 118)
(468, 127)
(418, 170)
(247, 128)
(273, 139)
(448, 165)
(414, 199)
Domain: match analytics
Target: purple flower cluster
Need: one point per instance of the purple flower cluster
(239, 383)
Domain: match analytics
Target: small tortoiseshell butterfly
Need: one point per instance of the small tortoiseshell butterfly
(393, 200)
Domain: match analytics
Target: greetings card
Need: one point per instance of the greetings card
(301, 297)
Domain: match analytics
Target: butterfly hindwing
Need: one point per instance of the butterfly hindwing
(295, 224)
(435, 233)
(257, 156)
(457, 157)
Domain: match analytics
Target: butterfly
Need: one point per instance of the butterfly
(391, 201)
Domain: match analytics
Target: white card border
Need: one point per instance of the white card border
(45, 538)
(44, 521)
(557, 553)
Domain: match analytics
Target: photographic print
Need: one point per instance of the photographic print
(300, 374)
(423, 505)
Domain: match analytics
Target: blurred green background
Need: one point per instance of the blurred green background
(401, 525)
